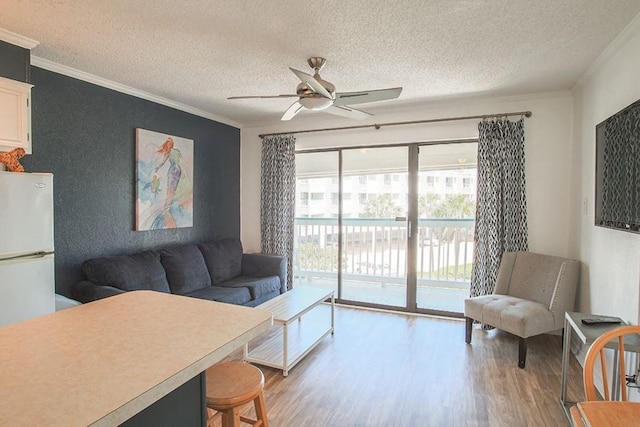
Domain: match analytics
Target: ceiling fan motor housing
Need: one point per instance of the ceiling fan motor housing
(312, 100)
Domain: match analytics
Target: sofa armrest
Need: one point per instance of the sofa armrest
(87, 291)
(260, 265)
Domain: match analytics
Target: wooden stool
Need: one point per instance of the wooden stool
(231, 386)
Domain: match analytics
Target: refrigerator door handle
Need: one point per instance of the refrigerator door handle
(39, 254)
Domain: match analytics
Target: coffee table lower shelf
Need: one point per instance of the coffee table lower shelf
(302, 337)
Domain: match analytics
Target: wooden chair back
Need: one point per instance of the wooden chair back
(596, 352)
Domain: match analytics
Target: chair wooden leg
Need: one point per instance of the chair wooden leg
(212, 416)
(522, 352)
(261, 410)
(231, 417)
(469, 330)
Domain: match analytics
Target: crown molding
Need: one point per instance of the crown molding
(118, 87)
(17, 39)
(631, 30)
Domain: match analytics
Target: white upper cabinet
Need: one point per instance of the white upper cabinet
(15, 115)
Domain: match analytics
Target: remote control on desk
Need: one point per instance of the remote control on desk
(600, 321)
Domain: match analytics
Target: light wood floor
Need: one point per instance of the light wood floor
(388, 369)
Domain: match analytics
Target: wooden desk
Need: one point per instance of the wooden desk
(99, 364)
(605, 414)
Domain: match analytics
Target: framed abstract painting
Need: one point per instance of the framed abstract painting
(164, 189)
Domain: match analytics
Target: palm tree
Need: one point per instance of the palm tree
(381, 206)
(456, 206)
(452, 206)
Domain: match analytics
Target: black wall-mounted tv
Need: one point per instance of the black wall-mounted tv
(618, 170)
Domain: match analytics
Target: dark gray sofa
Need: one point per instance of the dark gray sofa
(217, 271)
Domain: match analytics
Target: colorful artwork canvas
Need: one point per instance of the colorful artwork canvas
(165, 181)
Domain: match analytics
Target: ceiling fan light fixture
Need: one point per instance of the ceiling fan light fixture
(316, 103)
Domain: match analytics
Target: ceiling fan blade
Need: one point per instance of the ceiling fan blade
(367, 96)
(292, 111)
(266, 96)
(348, 112)
(310, 81)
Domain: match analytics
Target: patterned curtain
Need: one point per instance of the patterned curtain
(277, 201)
(501, 212)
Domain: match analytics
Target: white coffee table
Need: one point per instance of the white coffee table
(285, 348)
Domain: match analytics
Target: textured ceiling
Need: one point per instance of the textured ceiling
(199, 52)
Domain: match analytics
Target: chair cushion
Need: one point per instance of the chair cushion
(258, 286)
(223, 259)
(185, 268)
(511, 314)
(141, 271)
(220, 294)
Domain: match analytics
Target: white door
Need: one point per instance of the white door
(26, 289)
(26, 213)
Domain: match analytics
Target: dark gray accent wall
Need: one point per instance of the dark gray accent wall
(186, 406)
(15, 62)
(85, 135)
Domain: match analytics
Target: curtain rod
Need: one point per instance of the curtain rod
(414, 122)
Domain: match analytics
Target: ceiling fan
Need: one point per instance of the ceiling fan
(314, 93)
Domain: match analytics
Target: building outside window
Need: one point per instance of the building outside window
(304, 199)
(317, 196)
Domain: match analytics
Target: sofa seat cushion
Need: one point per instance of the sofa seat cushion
(186, 269)
(511, 314)
(229, 295)
(223, 259)
(258, 286)
(141, 271)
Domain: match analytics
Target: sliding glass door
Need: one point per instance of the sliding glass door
(388, 226)
(446, 218)
(374, 226)
(316, 248)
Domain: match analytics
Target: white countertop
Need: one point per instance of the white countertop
(101, 363)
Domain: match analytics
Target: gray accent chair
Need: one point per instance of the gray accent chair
(531, 296)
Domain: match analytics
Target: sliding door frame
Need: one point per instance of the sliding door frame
(413, 158)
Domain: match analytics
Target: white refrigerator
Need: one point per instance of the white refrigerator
(27, 284)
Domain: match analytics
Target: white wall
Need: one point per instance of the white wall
(611, 259)
(548, 136)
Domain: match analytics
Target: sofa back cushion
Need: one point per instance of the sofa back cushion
(141, 271)
(223, 259)
(185, 268)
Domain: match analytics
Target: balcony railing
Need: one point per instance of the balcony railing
(375, 250)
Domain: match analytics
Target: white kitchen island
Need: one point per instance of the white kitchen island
(100, 364)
